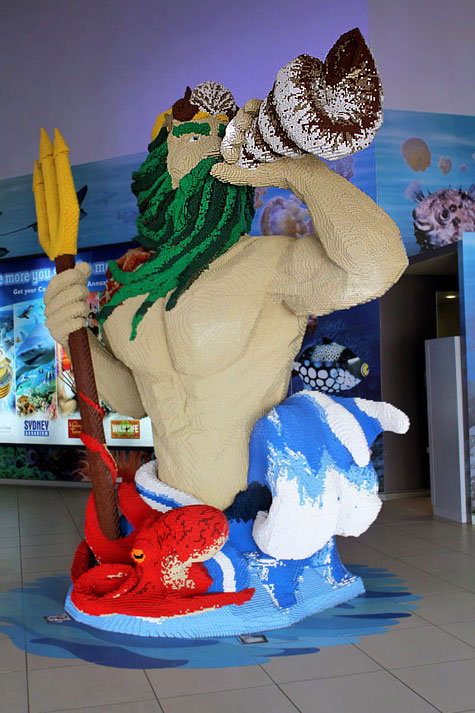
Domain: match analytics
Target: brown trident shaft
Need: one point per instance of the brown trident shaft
(102, 483)
(57, 211)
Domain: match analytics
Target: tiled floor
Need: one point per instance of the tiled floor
(426, 663)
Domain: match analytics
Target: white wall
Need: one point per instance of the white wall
(102, 70)
(425, 53)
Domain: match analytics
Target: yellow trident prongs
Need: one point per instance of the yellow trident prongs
(57, 207)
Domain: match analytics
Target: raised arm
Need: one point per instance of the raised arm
(356, 253)
(66, 311)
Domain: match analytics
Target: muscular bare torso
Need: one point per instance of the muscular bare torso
(210, 368)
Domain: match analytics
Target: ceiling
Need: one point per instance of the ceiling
(445, 262)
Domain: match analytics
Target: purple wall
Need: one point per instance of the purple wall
(102, 70)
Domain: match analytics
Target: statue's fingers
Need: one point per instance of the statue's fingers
(252, 106)
(232, 174)
(243, 120)
(77, 294)
(41, 210)
(263, 176)
(50, 184)
(72, 318)
(66, 243)
(64, 281)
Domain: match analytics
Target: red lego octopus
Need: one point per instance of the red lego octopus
(156, 571)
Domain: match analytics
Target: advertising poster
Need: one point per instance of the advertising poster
(425, 173)
(467, 292)
(38, 400)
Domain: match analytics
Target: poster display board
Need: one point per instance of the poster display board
(38, 403)
(467, 306)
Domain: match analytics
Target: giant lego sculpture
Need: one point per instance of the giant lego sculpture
(231, 529)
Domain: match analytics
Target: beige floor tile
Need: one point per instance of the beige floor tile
(376, 692)
(392, 542)
(172, 682)
(12, 580)
(423, 584)
(37, 663)
(54, 549)
(448, 686)
(452, 536)
(447, 608)
(51, 538)
(136, 707)
(413, 647)
(13, 692)
(85, 686)
(47, 528)
(9, 536)
(330, 661)
(11, 658)
(265, 699)
(463, 577)
(438, 563)
(46, 565)
(464, 630)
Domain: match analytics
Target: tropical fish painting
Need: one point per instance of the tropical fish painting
(329, 367)
(440, 218)
(426, 177)
(35, 364)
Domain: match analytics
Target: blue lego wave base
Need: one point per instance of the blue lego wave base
(316, 592)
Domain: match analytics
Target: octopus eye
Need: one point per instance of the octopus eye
(138, 555)
(195, 138)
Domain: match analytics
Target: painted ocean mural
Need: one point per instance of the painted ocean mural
(425, 174)
(108, 207)
(109, 211)
(279, 212)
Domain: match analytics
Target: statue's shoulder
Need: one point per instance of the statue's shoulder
(129, 262)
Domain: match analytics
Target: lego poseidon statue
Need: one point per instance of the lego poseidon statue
(233, 522)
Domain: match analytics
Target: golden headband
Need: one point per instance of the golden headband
(161, 120)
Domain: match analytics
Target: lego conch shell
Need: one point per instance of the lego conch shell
(331, 109)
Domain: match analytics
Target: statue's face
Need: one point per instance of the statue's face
(189, 142)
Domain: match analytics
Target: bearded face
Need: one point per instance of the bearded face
(189, 143)
(186, 216)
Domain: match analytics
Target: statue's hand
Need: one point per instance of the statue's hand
(236, 130)
(267, 174)
(66, 307)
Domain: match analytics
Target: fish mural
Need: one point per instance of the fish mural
(440, 218)
(445, 164)
(286, 216)
(104, 197)
(81, 194)
(329, 367)
(416, 154)
(36, 349)
(127, 216)
(343, 166)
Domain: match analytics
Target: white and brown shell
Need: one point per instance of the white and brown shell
(214, 99)
(331, 109)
